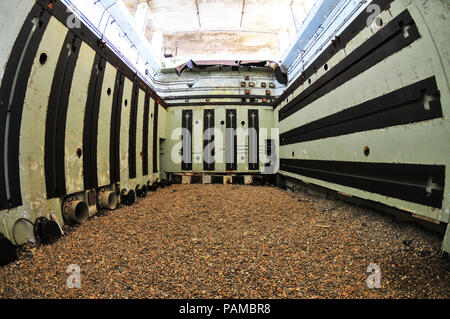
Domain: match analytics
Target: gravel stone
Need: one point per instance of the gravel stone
(223, 241)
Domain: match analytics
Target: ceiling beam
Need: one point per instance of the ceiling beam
(243, 9)
(119, 12)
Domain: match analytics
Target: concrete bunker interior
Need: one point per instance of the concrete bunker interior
(109, 103)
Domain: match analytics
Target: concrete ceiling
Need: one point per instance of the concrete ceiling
(260, 29)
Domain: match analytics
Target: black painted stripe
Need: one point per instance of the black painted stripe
(55, 127)
(410, 182)
(132, 132)
(381, 45)
(402, 106)
(116, 116)
(90, 131)
(253, 140)
(231, 139)
(145, 135)
(186, 120)
(25, 45)
(208, 140)
(340, 42)
(155, 138)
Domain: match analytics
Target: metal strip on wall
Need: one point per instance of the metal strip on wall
(133, 132)
(381, 45)
(253, 140)
(155, 138)
(219, 104)
(186, 151)
(90, 131)
(208, 140)
(231, 140)
(116, 116)
(399, 107)
(421, 184)
(145, 135)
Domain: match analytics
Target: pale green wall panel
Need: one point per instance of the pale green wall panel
(75, 120)
(104, 126)
(124, 135)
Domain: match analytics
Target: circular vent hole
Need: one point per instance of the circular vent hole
(108, 92)
(43, 58)
(79, 152)
(366, 150)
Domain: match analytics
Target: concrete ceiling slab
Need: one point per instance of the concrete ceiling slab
(259, 28)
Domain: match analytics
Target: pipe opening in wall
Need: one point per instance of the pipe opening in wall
(107, 200)
(75, 210)
(46, 231)
(128, 197)
(81, 211)
(141, 191)
(112, 200)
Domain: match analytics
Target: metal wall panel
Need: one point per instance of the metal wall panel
(75, 123)
(56, 118)
(391, 112)
(173, 141)
(139, 139)
(104, 125)
(124, 134)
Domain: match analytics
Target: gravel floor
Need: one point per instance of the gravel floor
(227, 241)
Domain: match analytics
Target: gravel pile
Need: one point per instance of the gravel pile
(228, 241)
